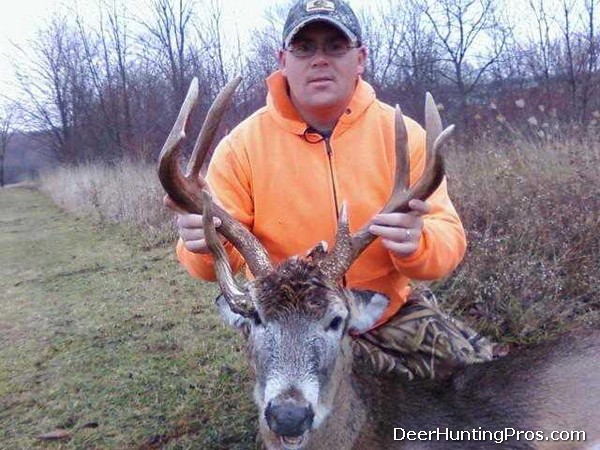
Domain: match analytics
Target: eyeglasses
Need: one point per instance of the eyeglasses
(331, 48)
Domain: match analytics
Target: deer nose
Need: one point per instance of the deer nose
(288, 418)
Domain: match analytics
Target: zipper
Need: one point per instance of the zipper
(326, 136)
(329, 154)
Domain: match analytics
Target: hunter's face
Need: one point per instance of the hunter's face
(326, 80)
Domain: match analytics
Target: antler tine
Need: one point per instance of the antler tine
(347, 248)
(402, 172)
(433, 121)
(238, 301)
(210, 126)
(168, 169)
(186, 190)
(341, 258)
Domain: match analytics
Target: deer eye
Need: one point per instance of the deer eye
(335, 324)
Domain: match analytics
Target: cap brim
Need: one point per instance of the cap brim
(319, 18)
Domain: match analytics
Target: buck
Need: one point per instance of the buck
(298, 321)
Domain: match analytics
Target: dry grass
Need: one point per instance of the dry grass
(531, 210)
(530, 207)
(106, 337)
(128, 193)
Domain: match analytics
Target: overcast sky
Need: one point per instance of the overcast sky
(19, 23)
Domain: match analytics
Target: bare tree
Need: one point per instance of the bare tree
(212, 44)
(567, 8)
(168, 38)
(99, 91)
(461, 26)
(543, 60)
(419, 59)
(592, 41)
(106, 53)
(96, 57)
(383, 35)
(575, 60)
(212, 55)
(260, 59)
(120, 40)
(6, 134)
(47, 81)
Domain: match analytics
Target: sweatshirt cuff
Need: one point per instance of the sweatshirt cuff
(412, 265)
(198, 265)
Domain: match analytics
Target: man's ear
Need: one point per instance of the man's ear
(362, 60)
(281, 60)
(366, 308)
(230, 318)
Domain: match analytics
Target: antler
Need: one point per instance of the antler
(347, 248)
(186, 190)
(238, 300)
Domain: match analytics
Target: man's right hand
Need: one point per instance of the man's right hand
(190, 227)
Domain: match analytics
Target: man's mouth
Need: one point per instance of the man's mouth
(320, 79)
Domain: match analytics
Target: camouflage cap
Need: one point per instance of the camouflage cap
(335, 12)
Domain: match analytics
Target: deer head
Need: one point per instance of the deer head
(297, 317)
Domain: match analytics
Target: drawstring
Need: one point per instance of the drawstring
(325, 136)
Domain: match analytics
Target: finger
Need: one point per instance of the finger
(419, 207)
(401, 220)
(197, 246)
(397, 220)
(403, 249)
(189, 221)
(194, 221)
(393, 234)
(191, 234)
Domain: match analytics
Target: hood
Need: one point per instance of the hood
(280, 106)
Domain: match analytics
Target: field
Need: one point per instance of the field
(106, 338)
(103, 335)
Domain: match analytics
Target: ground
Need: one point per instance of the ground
(106, 337)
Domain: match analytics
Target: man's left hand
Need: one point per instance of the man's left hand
(401, 232)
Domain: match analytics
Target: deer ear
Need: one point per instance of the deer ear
(366, 307)
(230, 318)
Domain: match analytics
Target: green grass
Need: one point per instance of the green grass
(108, 338)
(99, 324)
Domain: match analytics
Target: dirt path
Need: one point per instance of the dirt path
(108, 340)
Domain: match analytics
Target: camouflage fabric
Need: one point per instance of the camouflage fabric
(335, 12)
(422, 341)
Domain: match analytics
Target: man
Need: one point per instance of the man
(321, 139)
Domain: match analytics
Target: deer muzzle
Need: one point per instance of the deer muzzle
(289, 419)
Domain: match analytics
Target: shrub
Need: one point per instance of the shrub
(531, 211)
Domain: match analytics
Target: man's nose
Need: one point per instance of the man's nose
(319, 58)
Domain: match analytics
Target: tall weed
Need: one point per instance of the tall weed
(531, 209)
(128, 193)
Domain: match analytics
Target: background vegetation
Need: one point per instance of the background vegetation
(110, 89)
(531, 209)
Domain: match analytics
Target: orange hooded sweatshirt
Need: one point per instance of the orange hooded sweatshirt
(285, 186)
